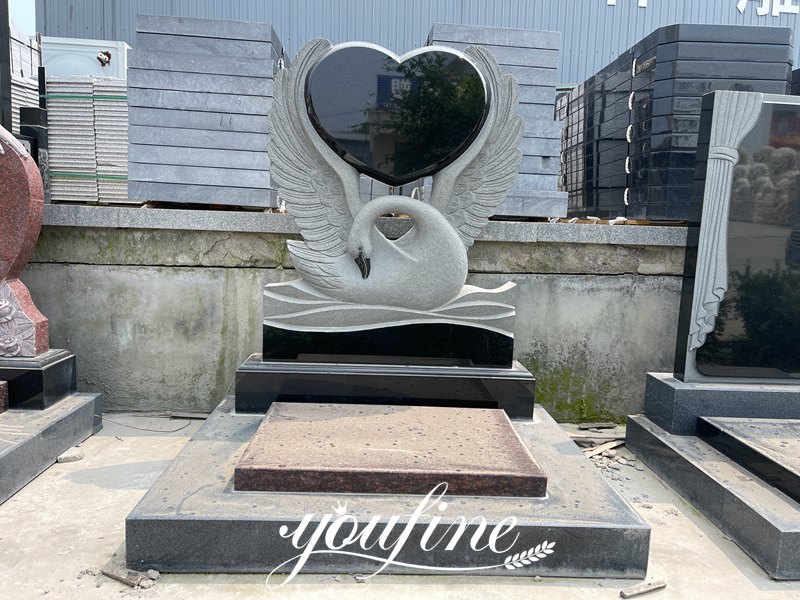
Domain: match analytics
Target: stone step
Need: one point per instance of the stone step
(31, 440)
(768, 448)
(762, 520)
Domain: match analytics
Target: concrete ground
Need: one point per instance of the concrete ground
(58, 532)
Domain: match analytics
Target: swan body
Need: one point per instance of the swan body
(343, 256)
(423, 269)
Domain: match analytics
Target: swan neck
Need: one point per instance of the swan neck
(421, 212)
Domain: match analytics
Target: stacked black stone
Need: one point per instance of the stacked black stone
(631, 130)
(796, 82)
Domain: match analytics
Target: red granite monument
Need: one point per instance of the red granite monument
(23, 329)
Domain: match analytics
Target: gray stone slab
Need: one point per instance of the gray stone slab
(213, 28)
(191, 520)
(762, 521)
(537, 94)
(143, 191)
(540, 146)
(194, 119)
(224, 103)
(234, 178)
(543, 128)
(496, 36)
(31, 440)
(197, 138)
(675, 405)
(209, 220)
(544, 112)
(529, 181)
(512, 55)
(533, 75)
(139, 58)
(534, 204)
(204, 46)
(539, 165)
(198, 157)
(776, 440)
(199, 82)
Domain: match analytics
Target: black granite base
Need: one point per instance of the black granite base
(763, 521)
(413, 344)
(41, 381)
(192, 520)
(260, 383)
(676, 406)
(31, 441)
(767, 448)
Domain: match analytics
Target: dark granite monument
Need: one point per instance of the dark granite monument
(722, 428)
(38, 400)
(387, 390)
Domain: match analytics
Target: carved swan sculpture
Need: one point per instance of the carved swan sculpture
(343, 254)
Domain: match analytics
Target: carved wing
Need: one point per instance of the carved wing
(319, 188)
(468, 191)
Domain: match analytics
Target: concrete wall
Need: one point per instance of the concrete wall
(161, 306)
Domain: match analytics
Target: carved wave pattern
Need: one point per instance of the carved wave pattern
(298, 306)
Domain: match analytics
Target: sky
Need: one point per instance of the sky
(22, 15)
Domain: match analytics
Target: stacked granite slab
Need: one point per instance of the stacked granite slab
(73, 158)
(199, 94)
(632, 128)
(532, 58)
(111, 139)
(24, 92)
(795, 82)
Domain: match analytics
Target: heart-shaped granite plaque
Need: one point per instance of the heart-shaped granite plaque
(393, 118)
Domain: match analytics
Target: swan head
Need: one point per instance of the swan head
(360, 250)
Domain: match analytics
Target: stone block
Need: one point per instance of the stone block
(220, 103)
(501, 36)
(260, 383)
(31, 441)
(199, 157)
(3, 396)
(208, 28)
(199, 82)
(41, 381)
(204, 46)
(195, 119)
(675, 405)
(201, 194)
(197, 138)
(209, 176)
(141, 58)
(383, 449)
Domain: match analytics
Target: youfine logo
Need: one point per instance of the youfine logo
(377, 540)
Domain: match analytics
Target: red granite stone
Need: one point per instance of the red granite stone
(21, 204)
(354, 448)
(3, 396)
(21, 207)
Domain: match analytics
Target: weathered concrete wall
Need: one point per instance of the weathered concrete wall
(160, 307)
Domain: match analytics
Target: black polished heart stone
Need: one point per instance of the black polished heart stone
(396, 121)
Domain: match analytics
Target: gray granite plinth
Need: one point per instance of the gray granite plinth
(763, 521)
(192, 520)
(31, 440)
(675, 405)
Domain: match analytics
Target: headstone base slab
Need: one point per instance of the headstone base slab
(192, 520)
(31, 440)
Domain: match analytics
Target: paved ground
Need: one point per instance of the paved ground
(59, 531)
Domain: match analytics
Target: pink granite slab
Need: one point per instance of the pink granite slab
(352, 448)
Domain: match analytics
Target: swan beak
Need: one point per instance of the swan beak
(363, 264)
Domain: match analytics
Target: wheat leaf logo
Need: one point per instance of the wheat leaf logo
(530, 556)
